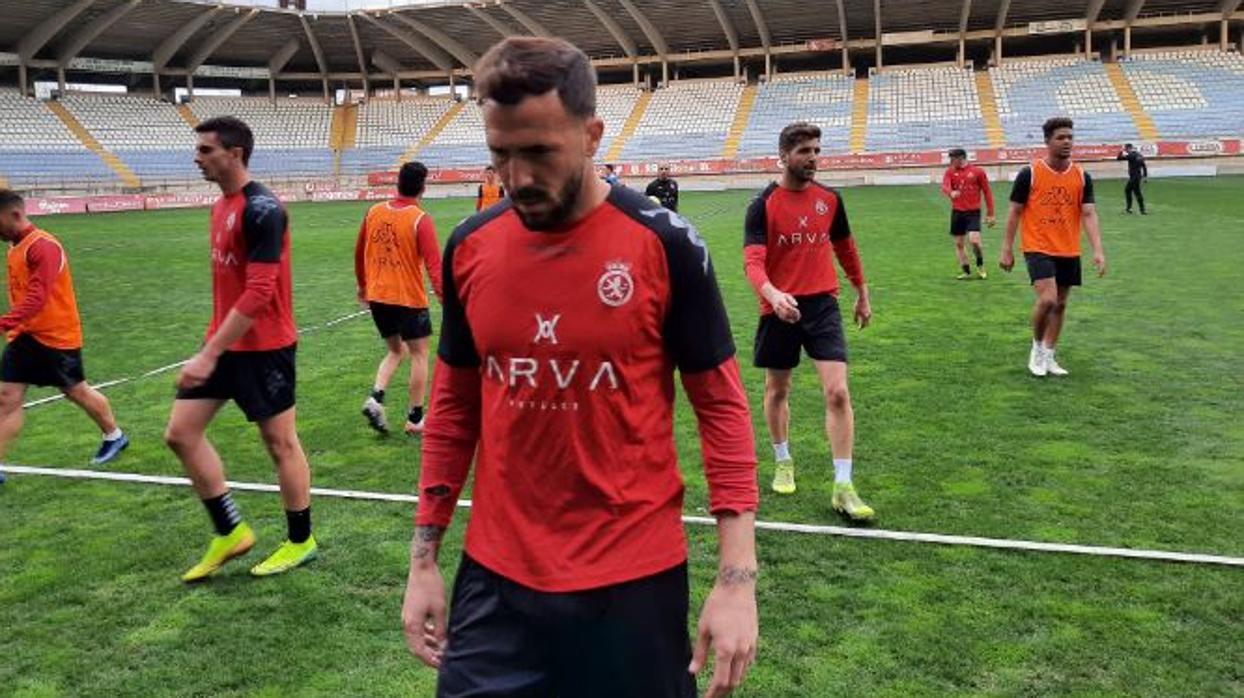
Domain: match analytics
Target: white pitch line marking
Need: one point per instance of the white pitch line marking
(811, 529)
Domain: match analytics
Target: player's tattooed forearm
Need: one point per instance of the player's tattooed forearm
(427, 541)
(732, 576)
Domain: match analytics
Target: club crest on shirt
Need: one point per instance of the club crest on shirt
(615, 287)
(231, 221)
(821, 207)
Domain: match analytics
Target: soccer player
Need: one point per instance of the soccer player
(611, 175)
(1050, 201)
(44, 331)
(396, 241)
(788, 234)
(567, 310)
(963, 184)
(1137, 172)
(247, 356)
(490, 192)
(664, 188)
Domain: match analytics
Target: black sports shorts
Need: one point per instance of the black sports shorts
(260, 382)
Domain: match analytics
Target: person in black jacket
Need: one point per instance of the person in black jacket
(664, 188)
(1137, 172)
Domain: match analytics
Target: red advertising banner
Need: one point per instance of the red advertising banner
(51, 207)
(120, 202)
(160, 201)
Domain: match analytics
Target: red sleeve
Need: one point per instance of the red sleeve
(726, 437)
(984, 178)
(946, 184)
(260, 287)
(429, 249)
(449, 442)
(360, 265)
(44, 258)
(754, 257)
(849, 257)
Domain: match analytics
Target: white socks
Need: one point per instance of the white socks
(781, 451)
(114, 434)
(842, 471)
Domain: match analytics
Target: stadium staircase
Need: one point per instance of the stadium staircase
(1127, 96)
(989, 111)
(741, 116)
(343, 132)
(188, 116)
(113, 162)
(859, 117)
(632, 123)
(446, 119)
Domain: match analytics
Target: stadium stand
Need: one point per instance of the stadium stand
(923, 108)
(291, 137)
(1190, 93)
(147, 134)
(1029, 91)
(36, 149)
(461, 143)
(821, 98)
(614, 104)
(691, 116)
(387, 128)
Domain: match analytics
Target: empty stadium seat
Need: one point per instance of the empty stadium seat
(36, 149)
(685, 120)
(291, 136)
(1030, 91)
(147, 134)
(1190, 93)
(923, 108)
(823, 99)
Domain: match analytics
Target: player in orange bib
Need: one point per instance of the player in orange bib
(43, 330)
(1051, 200)
(490, 192)
(397, 240)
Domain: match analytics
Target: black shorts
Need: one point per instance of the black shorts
(30, 362)
(819, 332)
(964, 222)
(1064, 270)
(260, 382)
(628, 640)
(410, 323)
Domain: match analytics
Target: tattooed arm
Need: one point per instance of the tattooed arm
(729, 621)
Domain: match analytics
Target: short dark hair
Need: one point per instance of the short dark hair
(796, 133)
(489, 168)
(530, 66)
(10, 199)
(609, 166)
(410, 179)
(232, 132)
(958, 153)
(1127, 145)
(1054, 123)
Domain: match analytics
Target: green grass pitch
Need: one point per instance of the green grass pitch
(1142, 446)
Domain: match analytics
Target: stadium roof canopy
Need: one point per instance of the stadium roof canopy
(429, 39)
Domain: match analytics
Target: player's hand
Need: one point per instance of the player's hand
(863, 311)
(423, 614)
(1099, 262)
(785, 306)
(1007, 260)
(729, 625)
(991, 221)
(362, 299)
(196, 371)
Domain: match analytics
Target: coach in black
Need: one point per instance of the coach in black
(1137, 172)
(664, 188)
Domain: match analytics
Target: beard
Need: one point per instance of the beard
(555, 216)
(802, 174)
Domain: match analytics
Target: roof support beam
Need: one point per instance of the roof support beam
(87, 34)
(358, 53)
(282, 56)
(614, 29)
(964, 14)
(727, 27)
(1093, 12)
(1133, 11)
(765, 40)
(38, 37)
(464, 55)
(1228, 8)
(877, 21)
(217, 40)
(524, 19)
(497, 25)
(842, 30)
(998, 26)
(416, 44)
(654, 38)
(170, 46)
(319, 53)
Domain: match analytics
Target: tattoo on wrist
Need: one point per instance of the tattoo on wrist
(427, 541)
(732, 576)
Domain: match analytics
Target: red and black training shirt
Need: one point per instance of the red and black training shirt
(557, 357)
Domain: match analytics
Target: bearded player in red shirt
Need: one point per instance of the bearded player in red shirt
(247, 356)
(792, 233)
(964, 184)
(568, 309)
